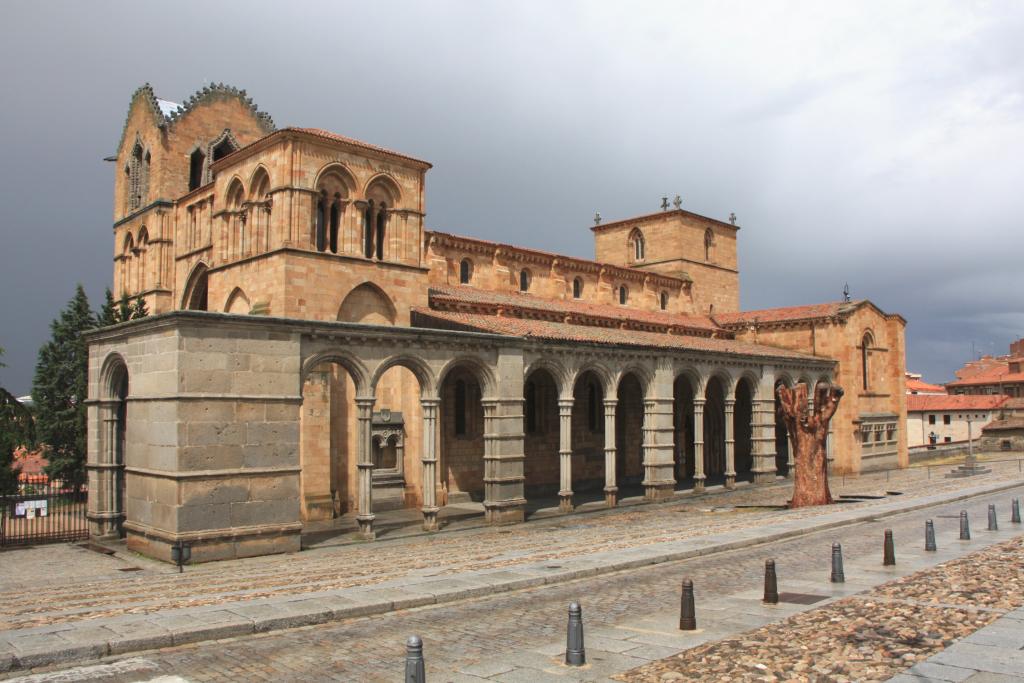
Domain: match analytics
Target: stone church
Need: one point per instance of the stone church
(315, 353)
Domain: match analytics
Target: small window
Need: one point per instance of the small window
(577, 288)
(709, 242)
(664, 301)
(946, 419)
(195, 169)
(878, 436)
(524, 280)
(465, 271)
(948, 439)
(636, 238)
(865, 436)
(623, 294)
(931, 419)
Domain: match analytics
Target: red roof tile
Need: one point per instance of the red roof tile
(554, 331)
(1007, 424)
(328, 135)
(449, 297)
(991, 374)
(920, 387)
(786, 314)
(917, 403)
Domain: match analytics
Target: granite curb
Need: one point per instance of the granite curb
(90, 640)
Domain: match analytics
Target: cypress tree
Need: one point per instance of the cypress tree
(139, 309)
(59, 390)
(108, 314)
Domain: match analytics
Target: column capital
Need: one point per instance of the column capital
(611, 402)
(430, 402)
(565, 403)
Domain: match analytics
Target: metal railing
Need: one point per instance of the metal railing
(43, 511)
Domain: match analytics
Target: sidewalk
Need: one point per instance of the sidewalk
(79, 632)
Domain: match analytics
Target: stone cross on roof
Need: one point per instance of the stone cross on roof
(677, 202)
(732, 218)
(664, 203)
(597, 218)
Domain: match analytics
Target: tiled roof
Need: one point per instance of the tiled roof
(787, 314)
(918, 386)
(1008, 423)
(452, 297)
(328, 135)
(992, 374)
(564, 332)
(917, 403)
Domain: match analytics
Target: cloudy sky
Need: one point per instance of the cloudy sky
(878, 144)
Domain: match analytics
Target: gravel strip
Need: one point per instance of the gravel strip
(867, 637)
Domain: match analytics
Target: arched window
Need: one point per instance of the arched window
(368, 230)
(196, 164)
(636, 238)
(223, 148)
(865, 359)
(321, 220)
(577, 288)
(465, 271)
(664, 301)
(382, 216)
(623, 294)
(460, 408)
(709, 241)
(524, 280)
(138, 176)
(335, 219)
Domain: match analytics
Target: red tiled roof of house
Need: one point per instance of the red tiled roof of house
(1008, 423)
(29, 463)
(565, 332)
(328, 135)
(786, 314)
(993, 374)
(921, 387)
(917, 403)
(982, 365)
(448, 298)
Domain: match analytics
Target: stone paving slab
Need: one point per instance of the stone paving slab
(992, 653)
(22, 648)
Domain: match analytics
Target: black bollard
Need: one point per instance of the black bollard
(1015, 511)
(993, 524)
(929, 536)
(575, 654)
(687, 611)
(837, 563)
(414, 670)
(888, 550)
(965, 526)
(771, 584)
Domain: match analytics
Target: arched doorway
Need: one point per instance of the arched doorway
(118, 447)
(397, 438)
(629, 432)
(714, 429)
(743, 415)
(328, 442)
(541, 435)
(589, 475)
(683, 431)
(781, 435)
(462, 438)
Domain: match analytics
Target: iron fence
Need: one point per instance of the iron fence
(43, 511)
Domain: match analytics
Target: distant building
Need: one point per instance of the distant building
(943, 418)
(992, 375)
(915, 385)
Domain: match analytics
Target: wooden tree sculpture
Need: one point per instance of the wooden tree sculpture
(808, 432)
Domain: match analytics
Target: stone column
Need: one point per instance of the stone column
(503, 460)
(429, 460)
(565, 502)
(364, 409)
(698, 445)
(611, 491)
(730, 443)
(659, 439)
(762, 430)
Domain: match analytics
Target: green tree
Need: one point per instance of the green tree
(139, 309)
(124, 309)
(59, 391)
(109, 313)
(16, 429)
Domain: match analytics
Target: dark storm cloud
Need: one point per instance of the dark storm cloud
(878, 144)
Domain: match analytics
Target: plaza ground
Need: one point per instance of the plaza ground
(514, 634)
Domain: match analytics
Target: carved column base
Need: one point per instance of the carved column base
(611, 496)
(505, 512)
(730, 481)
(430, 519)
(565, 502)
(698, 483)
(366, 527)
(662, 490)
(764, 469)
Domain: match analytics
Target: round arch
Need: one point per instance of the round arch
(356, 370)
(369, 304)
(387, 185)
(112, 371)
(483, 375)
(424, 375)
(194, 298)
(557, 371)
(643, 375)
(338, 170)
(259, 182)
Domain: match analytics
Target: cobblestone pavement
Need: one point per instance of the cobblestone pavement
(488, 638)
(86, 585)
